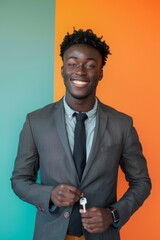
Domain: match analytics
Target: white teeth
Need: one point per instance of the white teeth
(80, 83)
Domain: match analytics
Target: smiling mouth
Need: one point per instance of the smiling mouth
(79, 83)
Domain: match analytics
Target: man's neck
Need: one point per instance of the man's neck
(81, 105)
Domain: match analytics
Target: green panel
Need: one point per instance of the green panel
(26, 83)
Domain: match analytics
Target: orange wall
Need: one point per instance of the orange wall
(131, 81)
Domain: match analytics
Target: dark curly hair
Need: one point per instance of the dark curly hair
(88, 38)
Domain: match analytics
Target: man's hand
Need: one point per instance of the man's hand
(65, 195)
(96, 220)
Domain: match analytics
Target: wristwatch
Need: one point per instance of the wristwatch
(115, 215)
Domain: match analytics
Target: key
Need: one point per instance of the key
(83, 202)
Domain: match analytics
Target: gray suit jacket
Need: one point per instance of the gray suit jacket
(44, 146)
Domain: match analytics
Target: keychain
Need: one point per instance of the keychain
(83, 202)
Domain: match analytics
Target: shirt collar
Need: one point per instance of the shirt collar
(69, 111)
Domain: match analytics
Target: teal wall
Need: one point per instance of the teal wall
(26, 83)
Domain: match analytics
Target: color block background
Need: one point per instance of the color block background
(131, 81)
(26, 83)
(31, 32)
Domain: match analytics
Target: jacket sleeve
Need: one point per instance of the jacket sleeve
(134, 166)
(24, 176)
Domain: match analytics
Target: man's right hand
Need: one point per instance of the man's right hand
(64, 195)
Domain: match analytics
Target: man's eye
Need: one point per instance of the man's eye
(90, 66)
(72, 65)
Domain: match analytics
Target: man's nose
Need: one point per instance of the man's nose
(81, 69)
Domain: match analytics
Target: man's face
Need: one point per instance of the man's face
(81, 71)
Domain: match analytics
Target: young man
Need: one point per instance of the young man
(47, 144)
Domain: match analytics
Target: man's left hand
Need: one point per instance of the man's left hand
(96, 220)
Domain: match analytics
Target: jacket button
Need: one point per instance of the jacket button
(39, 208)
(66, 214)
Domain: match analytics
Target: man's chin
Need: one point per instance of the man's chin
(79, 97)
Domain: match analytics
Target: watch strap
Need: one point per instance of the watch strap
(115, 215)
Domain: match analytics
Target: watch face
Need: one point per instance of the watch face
(115, 214)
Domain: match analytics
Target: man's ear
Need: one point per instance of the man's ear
(62, 71)
(101, 75)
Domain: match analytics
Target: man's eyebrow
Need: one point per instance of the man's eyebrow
(72, 57)
(89, 58)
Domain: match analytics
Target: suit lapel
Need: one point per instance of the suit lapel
(59, 118)
(101, 124)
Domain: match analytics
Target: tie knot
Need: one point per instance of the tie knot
(80, 116)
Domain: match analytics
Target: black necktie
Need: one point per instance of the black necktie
(79, 151)
(79, 156)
